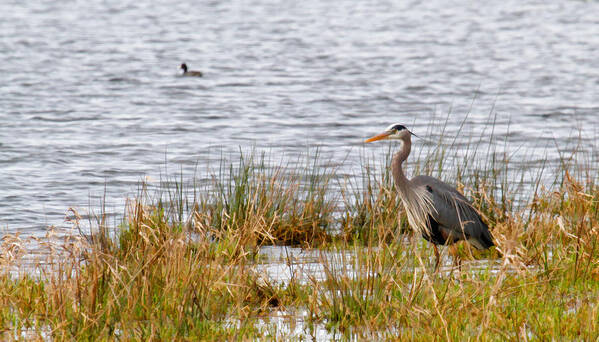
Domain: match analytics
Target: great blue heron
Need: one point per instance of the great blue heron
(436, 210)
(190, 72)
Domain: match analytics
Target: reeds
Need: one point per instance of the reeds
(267, 205)
(186, 263)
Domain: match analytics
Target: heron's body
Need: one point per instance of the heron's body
(453, 218)
(190, 72)
(436, 210)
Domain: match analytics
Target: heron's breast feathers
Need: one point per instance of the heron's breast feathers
(419, 205)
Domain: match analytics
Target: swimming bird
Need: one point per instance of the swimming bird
(190, 72)
(435, 209)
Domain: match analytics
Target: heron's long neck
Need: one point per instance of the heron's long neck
(416, 202)
(398, 158)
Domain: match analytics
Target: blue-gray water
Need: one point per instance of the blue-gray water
(90, 97)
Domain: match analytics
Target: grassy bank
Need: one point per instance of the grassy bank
(185, 263)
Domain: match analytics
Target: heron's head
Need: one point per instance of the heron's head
(395, 132)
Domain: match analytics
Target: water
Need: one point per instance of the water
(90, 100)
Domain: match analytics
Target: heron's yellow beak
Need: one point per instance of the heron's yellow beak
(381, 136)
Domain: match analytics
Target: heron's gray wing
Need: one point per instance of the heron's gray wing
(455, 212)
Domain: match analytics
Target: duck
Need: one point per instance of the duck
(190, 72)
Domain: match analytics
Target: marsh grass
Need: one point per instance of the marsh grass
(268, 205)
(185, 264)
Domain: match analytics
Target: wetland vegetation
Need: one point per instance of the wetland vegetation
(186, 263)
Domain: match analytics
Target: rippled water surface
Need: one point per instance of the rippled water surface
(91, 101)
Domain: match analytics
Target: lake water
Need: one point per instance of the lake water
(91, 101)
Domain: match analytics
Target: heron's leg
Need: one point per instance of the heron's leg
(438, 257)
